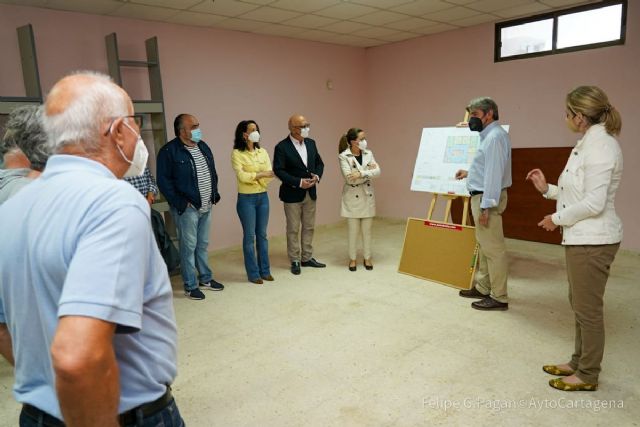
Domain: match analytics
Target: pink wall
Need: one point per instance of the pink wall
(428, 82)
(222, 77)
(392, 91)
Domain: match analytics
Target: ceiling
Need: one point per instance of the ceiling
(361, 23)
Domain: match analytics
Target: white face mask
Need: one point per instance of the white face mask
(254, 136)
(140, 156)
(304, 132)
(362, 144)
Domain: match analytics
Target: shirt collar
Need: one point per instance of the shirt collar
(295, 141)
(62, 163)
(485, 131)
(594, 131)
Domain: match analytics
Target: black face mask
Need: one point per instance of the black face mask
(475, 124)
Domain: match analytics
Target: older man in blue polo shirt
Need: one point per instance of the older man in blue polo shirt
(488, 178)
(85, 300)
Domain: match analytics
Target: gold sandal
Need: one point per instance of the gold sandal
(555, 370)
(559, 384)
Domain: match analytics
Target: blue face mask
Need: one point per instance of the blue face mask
(196, 135)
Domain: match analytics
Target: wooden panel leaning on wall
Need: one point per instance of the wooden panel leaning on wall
(526, 207)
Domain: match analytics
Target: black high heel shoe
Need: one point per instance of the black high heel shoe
(368, 267)
(352, 267)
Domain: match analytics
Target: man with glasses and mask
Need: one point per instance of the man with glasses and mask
(488, 178)
(297, 163)
(85, 299)
(187, 177)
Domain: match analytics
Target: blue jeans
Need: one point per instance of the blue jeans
(193, 235)
(253, 210)
(168, 417)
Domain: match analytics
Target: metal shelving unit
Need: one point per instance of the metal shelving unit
(30, 74)
(153, 107)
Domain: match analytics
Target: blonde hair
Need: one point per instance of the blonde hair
(351, 135)
(593, 104)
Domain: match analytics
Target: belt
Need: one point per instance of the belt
(475, 192)
(147, 409)
(126, 418)
(47, 420)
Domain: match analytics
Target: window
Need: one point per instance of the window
(584, 27)
(526, 38)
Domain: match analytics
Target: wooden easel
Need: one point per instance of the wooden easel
(447, 211)
(441, 251)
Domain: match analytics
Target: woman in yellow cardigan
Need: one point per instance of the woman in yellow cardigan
(253, 172)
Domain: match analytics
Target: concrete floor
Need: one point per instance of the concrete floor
(377, 348)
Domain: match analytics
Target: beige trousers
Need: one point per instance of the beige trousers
(355, 226)
(301, 219)
(493, 268)
(588, 271)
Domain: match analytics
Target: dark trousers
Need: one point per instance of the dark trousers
(167, 417)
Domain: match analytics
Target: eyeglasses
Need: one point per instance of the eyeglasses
(138, 119)
(308, 125)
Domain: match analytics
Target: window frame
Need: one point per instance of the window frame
(554, 37)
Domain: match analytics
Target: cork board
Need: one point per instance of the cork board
(439, 252)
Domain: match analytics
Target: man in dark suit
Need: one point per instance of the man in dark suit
(297, 163)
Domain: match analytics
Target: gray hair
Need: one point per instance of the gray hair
(6, 145)
(83, 119)
(24, 130)
(484, 104)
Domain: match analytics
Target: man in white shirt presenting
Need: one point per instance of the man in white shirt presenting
(488, 178)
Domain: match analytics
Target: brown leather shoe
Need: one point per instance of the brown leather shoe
(472, 293)
(489, 303)
(268, 278)
(257, 281)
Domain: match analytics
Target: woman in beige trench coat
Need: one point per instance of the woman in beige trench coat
(358, 168)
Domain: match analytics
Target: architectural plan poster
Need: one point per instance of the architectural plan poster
(442, 152)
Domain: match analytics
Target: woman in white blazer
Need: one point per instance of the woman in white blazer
(591, 229)
(358, 168)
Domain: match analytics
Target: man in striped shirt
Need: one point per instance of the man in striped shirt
(187, 177)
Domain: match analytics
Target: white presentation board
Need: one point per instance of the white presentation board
(443, 151)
